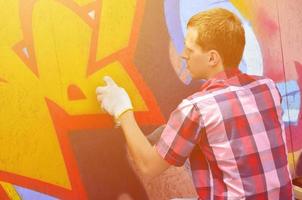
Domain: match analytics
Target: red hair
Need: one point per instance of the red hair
(220, 30)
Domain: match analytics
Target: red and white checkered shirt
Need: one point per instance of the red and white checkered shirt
(232, 133)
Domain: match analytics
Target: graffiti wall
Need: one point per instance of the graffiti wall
(55, 141)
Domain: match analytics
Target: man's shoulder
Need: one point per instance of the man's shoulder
(222, 87)
(207, 91)
(246, 79)
(196, 99)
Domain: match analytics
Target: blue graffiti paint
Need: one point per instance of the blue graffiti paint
(291, 101)
(26, 194)
(174, 24)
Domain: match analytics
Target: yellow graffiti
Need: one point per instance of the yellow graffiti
(28, 137)
(63, 58)
(115, 26)
(243, 7)
(83, 2)
(61, 39)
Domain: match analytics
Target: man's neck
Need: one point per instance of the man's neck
(216, 70)
(226, 73)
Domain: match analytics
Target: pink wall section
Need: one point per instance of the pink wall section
(277, 25)
(284, 29)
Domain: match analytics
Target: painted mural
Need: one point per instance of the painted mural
(55, 141)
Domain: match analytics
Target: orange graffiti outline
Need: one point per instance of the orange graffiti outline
(82, 122)
(3, 194)
(126, 56)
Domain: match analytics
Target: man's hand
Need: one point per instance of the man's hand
(113, 98)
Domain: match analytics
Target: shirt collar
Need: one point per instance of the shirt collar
(226, 74)
(223, 75)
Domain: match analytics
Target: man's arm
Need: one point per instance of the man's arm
(117, 103)
(144, 154)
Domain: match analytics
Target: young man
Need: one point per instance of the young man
(231, 129)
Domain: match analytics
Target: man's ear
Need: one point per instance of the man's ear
(214, 57)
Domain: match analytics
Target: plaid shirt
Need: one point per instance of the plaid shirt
(233, 134)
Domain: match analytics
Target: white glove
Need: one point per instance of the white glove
(113, 98)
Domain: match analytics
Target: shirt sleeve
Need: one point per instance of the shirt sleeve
(181, 134)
